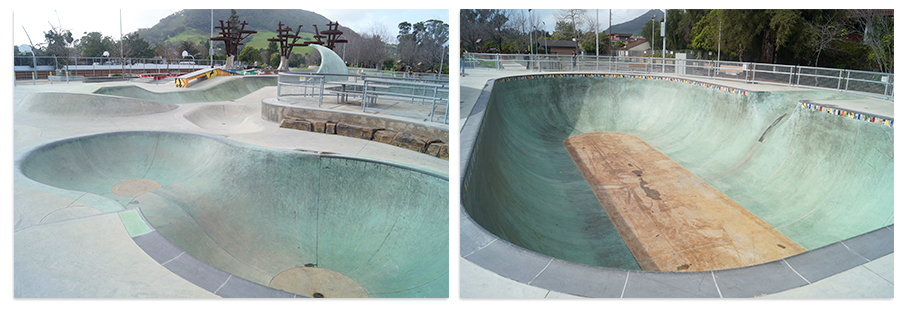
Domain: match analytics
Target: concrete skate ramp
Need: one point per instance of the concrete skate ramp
(815, 177)
(226, 89)
(268, 215)
(88, 105)
(224, 117)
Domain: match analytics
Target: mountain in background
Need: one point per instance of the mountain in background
(194, 24)
(635, 25)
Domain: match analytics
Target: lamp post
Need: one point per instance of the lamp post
(719, 53)
(662, 31)
(530, 33)
(543, 25)
(652, 33)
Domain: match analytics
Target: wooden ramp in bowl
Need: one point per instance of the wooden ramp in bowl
(671, 219)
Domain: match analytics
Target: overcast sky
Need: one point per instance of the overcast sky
(548, 16)
(106, 20)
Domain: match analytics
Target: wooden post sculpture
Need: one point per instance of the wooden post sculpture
(284, 46)
(331, 36)
(232, 36)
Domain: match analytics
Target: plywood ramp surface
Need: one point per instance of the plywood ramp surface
(671, 219)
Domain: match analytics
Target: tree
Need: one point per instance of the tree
(651, 32)
(878, 35)
(58, 41)
(275, 60)
(93, 44)
(136, 47)
(480, 26)
(192, 48)
(824, 31)
(368, 49)
(564, 30)
(249, 55)
(589, 45)
(572, 20)
(421, 45)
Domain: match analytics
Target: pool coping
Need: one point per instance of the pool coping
(531, 268)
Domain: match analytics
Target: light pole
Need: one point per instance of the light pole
(530, 33)
(530, 39)
(543, 25)
(652, 34)
(662, 31)
(719, 53)
(210, 39)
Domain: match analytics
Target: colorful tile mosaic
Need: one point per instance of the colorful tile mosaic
(644, 77)
(807, 105)
(854, 115)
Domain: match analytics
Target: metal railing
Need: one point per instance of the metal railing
(874, 84)
(24, 67)
(420, 98)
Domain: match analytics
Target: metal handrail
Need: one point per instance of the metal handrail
(874, 84)
(297, 86)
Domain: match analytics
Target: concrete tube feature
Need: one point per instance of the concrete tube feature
(310, 224)
(818, 179)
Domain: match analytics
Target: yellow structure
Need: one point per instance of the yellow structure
(199, 75)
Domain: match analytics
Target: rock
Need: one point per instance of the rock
(412, 141)
(384, 136)
(355, 131)
(295, 123)
(317, 124)
(439, 149)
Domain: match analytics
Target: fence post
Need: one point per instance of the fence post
(840, 79)
(753, 79)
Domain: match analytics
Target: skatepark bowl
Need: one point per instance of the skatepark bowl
(531, 208)
(309, 224)
(130, 189)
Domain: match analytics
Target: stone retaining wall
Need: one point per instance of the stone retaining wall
(407, 140)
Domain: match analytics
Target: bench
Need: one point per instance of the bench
(343, 93)
(731, 70)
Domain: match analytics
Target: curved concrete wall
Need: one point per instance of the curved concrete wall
(255, 212)
(231, 89)
(331, 62)
(817, 178)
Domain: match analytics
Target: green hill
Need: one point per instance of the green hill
(194, 25)
(635, 25)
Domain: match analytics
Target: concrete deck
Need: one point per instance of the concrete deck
(72, 246)
(869, 279)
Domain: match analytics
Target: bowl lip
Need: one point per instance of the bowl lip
(25, 153)
(503, 258)
(199, 272)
